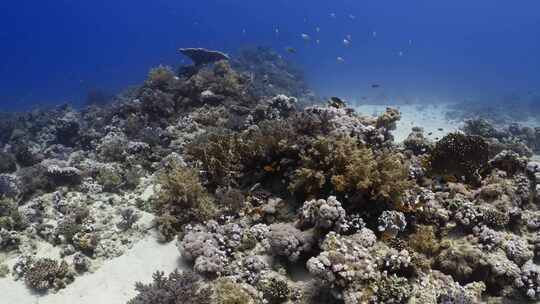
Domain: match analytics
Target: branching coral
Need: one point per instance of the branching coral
(160, 77)
(177, 287)
(228, 157)
(180, 198)
(391, 223)
(44, 274)
(275, 289)
(342, 165)
(460, 156)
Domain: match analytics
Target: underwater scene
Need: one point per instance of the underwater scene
(268, 152)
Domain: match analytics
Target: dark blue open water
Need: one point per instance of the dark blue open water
(55, 51)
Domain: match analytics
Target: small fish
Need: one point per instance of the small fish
(410, 41)
(440, 129)
(337, 103)
(400, 54)
(306, 37)
(332, 15)
(276, 31)
(346, 42)
(374, 34)
(318, 41)
(352, 17)
(375, 85)
(290, 50)
(430, 133)
(340, 59)
(318, 29)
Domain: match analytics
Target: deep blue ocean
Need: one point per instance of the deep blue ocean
(55, 51)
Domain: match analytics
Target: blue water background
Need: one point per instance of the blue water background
(433, 51)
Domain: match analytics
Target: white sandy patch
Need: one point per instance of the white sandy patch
(430, 117)
(112, 283)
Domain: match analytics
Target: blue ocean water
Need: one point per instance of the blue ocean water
(54, 52)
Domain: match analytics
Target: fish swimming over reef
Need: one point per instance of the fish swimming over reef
(290, 50)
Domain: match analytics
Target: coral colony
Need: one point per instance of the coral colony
(270, 195)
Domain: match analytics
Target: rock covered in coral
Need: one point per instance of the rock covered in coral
(417, 142)
(391, 223)
(44, 274)
(325, 214)
(529, 280)
(340, 267)
(461, 156)
(202, 56)
(287, 241)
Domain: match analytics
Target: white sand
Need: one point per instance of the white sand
(431, 118)
(112, 283)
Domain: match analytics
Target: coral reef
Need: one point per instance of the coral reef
(270, 197)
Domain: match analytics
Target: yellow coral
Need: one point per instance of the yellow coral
(343, 165)
(181, 198)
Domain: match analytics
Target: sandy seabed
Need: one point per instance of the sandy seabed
(112, 283)
(429, 117)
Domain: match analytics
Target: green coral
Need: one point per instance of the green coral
(181, 198)
(393, 289)
(424, 240)
(228, 292)
(10, 218)
(109, 178)
(4, 270)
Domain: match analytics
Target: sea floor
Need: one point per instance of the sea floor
(112, 283)
(429, 117)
